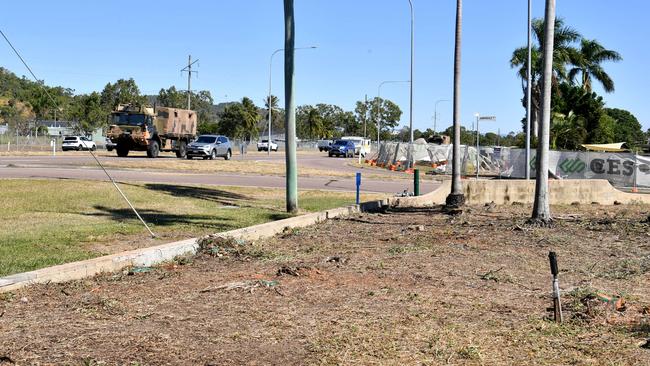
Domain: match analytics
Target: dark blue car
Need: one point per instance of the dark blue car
(343, 148)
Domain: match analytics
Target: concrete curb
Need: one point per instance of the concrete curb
(165, 252)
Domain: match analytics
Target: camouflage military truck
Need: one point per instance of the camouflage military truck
(139, 128)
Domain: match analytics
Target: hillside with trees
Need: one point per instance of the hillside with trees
(22, 100)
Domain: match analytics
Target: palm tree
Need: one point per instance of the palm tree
(274, 102)
(314, 124)
(456, 198)
(567, 131)
(541, 210)
(563, 53)
(249, 118)
(588, 64)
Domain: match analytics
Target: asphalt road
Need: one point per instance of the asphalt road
(70, 167)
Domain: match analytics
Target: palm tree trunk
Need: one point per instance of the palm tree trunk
(456, 198)
(290, 108)
(541, 210)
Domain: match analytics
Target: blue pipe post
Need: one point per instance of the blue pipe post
(358, 185)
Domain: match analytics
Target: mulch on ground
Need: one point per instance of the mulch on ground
(394, 288)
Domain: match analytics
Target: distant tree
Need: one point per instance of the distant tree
(589, 107)
(171, 97)
(605, 132)
(17, 115)
(309, 123)
(250, 118)
(348, 121)
(121, 92)
(513, 139)
(201, 102)
(628, 129)
(489, 139)
(387, 112)
(567, 131)
(88, 112)
(331, 120)
(239, 120)
(467, 137)
(427, 134)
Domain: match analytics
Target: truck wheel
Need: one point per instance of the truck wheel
(122, 151)
(153, 149)
(78, 147)
(228, 155)
(182, 149)
(213, 154)
(188, 157)
(93, 148)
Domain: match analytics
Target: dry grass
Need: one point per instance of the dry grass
(219, 166)
(48, 222)
(399, 288)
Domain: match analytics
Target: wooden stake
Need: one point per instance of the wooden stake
(557, 304)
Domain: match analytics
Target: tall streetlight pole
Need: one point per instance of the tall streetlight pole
(270, 118)
(410, 164)
(528, 94)
(379, 104)
(411, 90)
(435, 112)
(478, 135)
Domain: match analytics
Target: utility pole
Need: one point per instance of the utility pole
(290, 108)
(188, 68)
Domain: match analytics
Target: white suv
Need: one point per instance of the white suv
(264, 145)
(78, 143)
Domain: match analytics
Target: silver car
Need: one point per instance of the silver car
(210, 147)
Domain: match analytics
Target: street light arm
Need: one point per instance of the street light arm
(435, 112)
(379, 103)
(270, 117)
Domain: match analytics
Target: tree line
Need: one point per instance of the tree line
(22, 100)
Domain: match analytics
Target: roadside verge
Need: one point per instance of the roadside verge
(166, 252)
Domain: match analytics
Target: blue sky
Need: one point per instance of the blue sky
(85, 44)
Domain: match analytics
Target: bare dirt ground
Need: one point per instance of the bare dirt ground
(394, 288)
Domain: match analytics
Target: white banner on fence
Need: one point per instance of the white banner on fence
(621, 169)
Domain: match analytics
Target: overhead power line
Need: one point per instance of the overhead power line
(39, 82)
(90, 151)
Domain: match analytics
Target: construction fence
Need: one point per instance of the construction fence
(623, 170)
